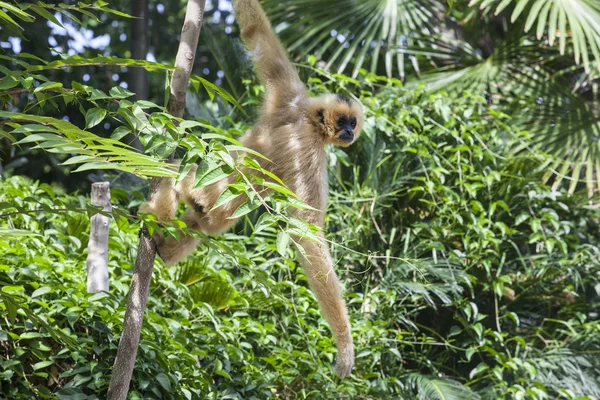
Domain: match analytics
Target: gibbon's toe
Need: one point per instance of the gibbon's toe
(344, 362)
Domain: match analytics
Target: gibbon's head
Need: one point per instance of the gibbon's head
(338, 118)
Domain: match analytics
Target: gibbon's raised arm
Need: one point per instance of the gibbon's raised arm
(273, 66)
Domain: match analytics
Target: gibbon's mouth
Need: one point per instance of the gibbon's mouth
(347, 136)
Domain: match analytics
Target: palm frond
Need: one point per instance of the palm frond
(426, 280)
(205, 284)
(507, 70)
(561, 124)
(352, 33)
(568, 129)
(578, 20)
(562, 369)
(434, 388)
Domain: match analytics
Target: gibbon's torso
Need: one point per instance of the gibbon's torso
(290, 140)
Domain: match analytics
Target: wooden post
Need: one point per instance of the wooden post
(144, 263)
(97, 259)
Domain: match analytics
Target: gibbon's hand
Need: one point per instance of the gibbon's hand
(345, 360)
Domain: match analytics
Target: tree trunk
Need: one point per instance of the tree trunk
(138, 77)
(97, 259)
(144, 263)
(138, 44)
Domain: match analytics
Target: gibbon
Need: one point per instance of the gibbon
(291, 132)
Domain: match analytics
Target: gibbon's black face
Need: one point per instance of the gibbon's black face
(341, 119)
(346, 124)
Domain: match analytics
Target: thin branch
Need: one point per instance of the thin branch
(144, 263)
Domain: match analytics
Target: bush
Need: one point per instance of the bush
(466, 278)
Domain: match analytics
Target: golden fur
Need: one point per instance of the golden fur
(291, 132)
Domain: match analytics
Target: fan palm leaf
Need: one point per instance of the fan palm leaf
(205, 284)
(563, 368)
(578, 20)
(352, 33)
(568, 129)
(562, 124)
(426, 280)
(435, 388)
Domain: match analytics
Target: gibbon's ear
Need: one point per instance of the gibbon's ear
(321, 114)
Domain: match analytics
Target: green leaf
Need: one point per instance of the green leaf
(98, 296)
(120, 133)
(98, 95)
(8, 83)
(47, 15)
(48, 85)
(17, 12)
(232, 192)
(215, 175)
(245, 208)
(164, 381)
(94, 116)
(283, 240)
(211, 88)
(13, 289)
(524, 216)
(433, 388)
(119, 92)
(7, 19)
(518, 9)
(42, 364)
(30, 335)
(41, 291)
(72, 393)
(481, 367)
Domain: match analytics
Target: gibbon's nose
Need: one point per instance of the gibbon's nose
(347, 136)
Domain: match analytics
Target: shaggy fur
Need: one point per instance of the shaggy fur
(291, 132)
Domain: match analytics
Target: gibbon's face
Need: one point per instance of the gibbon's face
(340, 118)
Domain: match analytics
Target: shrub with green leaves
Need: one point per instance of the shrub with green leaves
(466, 278)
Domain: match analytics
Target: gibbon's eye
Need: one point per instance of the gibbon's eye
(353, 122)
(343, 121)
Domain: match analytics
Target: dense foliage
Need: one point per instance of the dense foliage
(465, 277)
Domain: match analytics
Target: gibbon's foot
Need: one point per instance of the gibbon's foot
(345, 360)
(158, 253)
(158, 239)
(143, 231)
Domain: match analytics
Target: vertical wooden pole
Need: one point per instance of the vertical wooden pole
(97, 259)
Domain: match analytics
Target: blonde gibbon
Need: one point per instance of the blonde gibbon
(291, 132)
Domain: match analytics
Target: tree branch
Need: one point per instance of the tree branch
(144, 263)
(185, 56)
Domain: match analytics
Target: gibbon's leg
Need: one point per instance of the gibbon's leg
(163, 202)
(320, 272)
(274, 69)
(199, 215)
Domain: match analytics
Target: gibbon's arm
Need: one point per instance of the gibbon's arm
(274, 69)
(318, 265)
